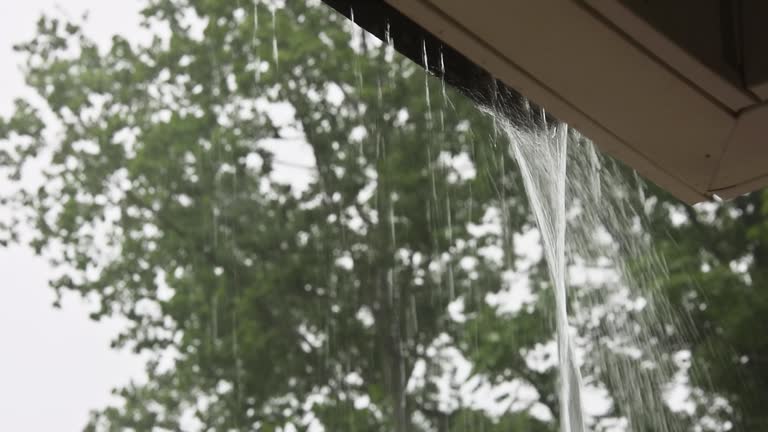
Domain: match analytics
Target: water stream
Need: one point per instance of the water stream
(542, 157)
(605, 273)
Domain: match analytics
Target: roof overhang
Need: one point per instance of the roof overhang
(676, 90)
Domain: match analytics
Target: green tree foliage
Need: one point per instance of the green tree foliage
(717, 257)
(261, 304)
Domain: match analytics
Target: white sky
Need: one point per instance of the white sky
(55, 365)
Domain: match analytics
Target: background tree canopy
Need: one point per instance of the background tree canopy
(368, 296)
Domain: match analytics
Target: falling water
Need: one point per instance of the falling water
(542, 156)
(425, 62)
(275, 52)
(619, 322)
(428, 115)
(360, 51)
(256, 42)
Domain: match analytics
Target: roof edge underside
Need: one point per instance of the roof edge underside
(589, 74)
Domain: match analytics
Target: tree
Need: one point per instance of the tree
(264, 305)
(717, 254)
(347, 303)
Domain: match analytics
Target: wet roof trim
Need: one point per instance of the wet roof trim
(659, 112)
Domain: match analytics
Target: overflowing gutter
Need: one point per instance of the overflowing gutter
(676, 90)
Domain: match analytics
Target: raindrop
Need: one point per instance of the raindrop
(256, 41)
(274, 35)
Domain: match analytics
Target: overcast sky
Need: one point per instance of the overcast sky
(55, 365)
